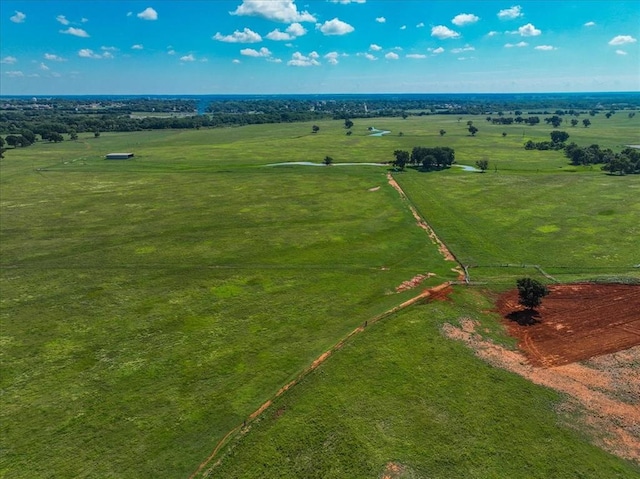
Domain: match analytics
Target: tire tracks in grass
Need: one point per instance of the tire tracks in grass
(436, 292)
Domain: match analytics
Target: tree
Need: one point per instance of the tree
(402, 158)
(348, 124)
(442, 132)
(96, 134)
(574, 122)
(327, 160)
(73, 135)
(12, 140)
(482, 165)
(473, 130)
(559, 136)
(349, 133)
(504, 133)
(469, 123)
(531, 292)
(315, 129)
(1, 142)
(586, 122)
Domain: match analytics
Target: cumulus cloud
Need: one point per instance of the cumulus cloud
(294, 30)
(250, 52)
(19, 17)
(43, 67)
(62, 19)
(346, 2)
(510, 13)
(188, 58)
(443, 32)
(590, 24)
(374, 47)
(416, 55)
(76, 32)
(420, 25)
(284, 11)
(332, 58)
(335, 27)
(465, 19)
(381, 20)
(391, 56)
(436, 51)
(53, 58)
(88, 53)
(545, 48)
(516, 45)
(9, 60)
(528, 30)
(493, 33)
(299, 60)
(620, 52)
(14, 74)
(137, 46)
(245, 36)
(235, 61)
(622, 40)
(148, 14)
(403, 27)
(108, 49)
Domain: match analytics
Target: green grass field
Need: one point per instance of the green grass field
(149, 306)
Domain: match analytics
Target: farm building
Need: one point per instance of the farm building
(119, 156)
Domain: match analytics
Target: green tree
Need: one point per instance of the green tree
(96, 134)
(473, 130)
(504, 133)
(531, 292)
(586, 122)
(559, 136)
(482, 165)
(442, 132)
(402, 158)
(327, 160)
(574, 122)
(315, 129)
(73, 135)
(348, 124)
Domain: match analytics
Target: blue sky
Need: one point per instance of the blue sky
(318, 46)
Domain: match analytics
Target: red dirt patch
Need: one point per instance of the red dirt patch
(575, 322)
(413, 282)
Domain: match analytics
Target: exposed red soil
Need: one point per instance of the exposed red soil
(604, 391)
(413, 282)
(575, 322)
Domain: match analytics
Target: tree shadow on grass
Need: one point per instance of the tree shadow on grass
(525, 317)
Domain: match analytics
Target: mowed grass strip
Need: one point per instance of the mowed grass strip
(146, 313)
(403, 394)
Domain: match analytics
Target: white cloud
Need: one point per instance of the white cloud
(171, 52)
(53, 58)
(346, 2)
(516, 45)
(391, 56)
(622, 40)
(335, 27)
(528, 30)
(493, 33)
(416, 55)
(332, 57)
(137, 47)
(590, 24)
(236, 61)
(76, 32)
(375, 48)
(545, 48)
(108, 49)
(250, 52)
(62, 19)
(129, 14)
(443, 32)
(9, 60)
(84, 20)
(14, 74)
(107, 55)
(620, 52)
(436, 51)
(299, 60)
(188, 58)
(420, 25)
(284, 11)
(465, 19)
(466, 48)
(43, 67)
(381, 20)
(88, 53)
(294, 30)
(244, 36)
(403, 27)
(148, 14)
(19, 17)
(510, 13)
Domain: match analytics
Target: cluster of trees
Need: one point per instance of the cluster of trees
(558, 139)
(625, 162)
(424, 157)
(503, 120)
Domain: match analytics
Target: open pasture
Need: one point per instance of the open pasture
(150, 305)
